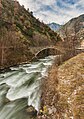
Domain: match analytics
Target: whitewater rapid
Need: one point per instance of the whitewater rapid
(20, 88)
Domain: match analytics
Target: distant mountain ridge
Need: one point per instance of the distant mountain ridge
(54, 26)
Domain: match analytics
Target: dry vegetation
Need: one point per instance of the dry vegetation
(63, 90)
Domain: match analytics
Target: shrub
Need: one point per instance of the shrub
(19, 25)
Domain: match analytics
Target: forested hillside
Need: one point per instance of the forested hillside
(20, 30)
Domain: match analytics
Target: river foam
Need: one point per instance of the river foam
(22, 82)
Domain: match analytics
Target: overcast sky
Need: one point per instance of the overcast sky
(58, 11)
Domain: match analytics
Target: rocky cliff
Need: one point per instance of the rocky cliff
(73, 32)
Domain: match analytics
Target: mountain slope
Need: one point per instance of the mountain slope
(73, 31)
(20, 30)
(54, 26)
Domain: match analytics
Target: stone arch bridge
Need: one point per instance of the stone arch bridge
(40, 52)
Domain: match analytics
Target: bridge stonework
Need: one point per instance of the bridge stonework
(41, 52)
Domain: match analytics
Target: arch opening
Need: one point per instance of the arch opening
(46, 52)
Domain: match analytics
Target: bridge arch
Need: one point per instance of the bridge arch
(47, 51)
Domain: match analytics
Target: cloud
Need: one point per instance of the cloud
(59, 11)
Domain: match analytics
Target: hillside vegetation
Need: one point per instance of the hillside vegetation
(19, 30)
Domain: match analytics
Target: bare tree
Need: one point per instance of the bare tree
(16, 7)
(2, 48)
(0, 8)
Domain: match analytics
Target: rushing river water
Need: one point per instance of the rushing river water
(20, 88)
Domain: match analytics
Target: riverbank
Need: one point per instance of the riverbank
(63, 92)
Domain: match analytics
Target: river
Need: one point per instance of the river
(20, 88)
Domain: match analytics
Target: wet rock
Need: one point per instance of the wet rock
(7, 100)
(31, 110)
